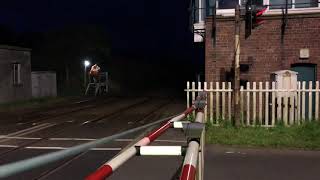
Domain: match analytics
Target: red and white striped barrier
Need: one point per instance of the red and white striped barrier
(191, 159)
(190, 162)
(107, 169)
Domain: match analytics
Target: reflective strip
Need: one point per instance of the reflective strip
(178, 125)
(160, 150)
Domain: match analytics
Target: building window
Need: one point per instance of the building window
(227, 4)
(226, 7)
(292, 4)
(306, 3)
(16, 74)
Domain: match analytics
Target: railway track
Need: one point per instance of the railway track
(47, 173)
(62, 127)
(38, 116)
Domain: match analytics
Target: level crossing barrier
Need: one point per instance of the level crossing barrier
(140, 148)
(194, 132)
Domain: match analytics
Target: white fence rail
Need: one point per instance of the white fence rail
(260, 103)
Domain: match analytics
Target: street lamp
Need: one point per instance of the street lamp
(86, 64)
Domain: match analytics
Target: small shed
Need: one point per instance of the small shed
(15, 70)
(44, 84)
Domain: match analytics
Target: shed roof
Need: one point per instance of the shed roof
(14, 48)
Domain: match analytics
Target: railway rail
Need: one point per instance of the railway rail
(64, 126)
(151, 112)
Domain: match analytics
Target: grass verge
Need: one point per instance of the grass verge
(305, 136)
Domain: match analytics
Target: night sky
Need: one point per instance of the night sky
(152, 26)
(151, 29)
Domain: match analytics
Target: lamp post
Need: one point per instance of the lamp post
(86, 64)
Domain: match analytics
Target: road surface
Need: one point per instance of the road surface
(53, 129)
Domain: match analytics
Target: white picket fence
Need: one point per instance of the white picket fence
(263, 104)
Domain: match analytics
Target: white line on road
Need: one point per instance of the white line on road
(20, 138)
(118, 140)
(84, 139)
(58, 148)
(71, 139)
(157, 140)
(8, 146)
(26, 131)
(229, 152)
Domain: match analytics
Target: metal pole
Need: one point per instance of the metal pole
(85, 76)
(236, 106)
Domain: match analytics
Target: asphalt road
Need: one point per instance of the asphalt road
(223, 163)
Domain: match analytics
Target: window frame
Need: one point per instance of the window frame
(16, 74)
(292, 10)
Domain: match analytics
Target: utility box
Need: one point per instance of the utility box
(44, 84)
(285, 79)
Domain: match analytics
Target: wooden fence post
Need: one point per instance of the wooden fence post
(273, 111)
(260, 103)
(211, 102)
(248, 103)
(217, 103)
(266, 118)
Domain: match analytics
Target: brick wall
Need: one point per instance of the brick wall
(263, 51)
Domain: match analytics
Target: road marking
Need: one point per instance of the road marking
(8, 146)
(22, 138)
(85, 139)
(157, 140)
(86, 122)
(58, 148)
(26, 131)
(118, 140)
(229, 152)
(71, 139)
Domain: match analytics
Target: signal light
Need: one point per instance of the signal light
(257, 12)
(253, 12)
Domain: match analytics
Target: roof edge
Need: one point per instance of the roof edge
(14, 48)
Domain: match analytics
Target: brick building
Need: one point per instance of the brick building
(15, 73)
(268, 49)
